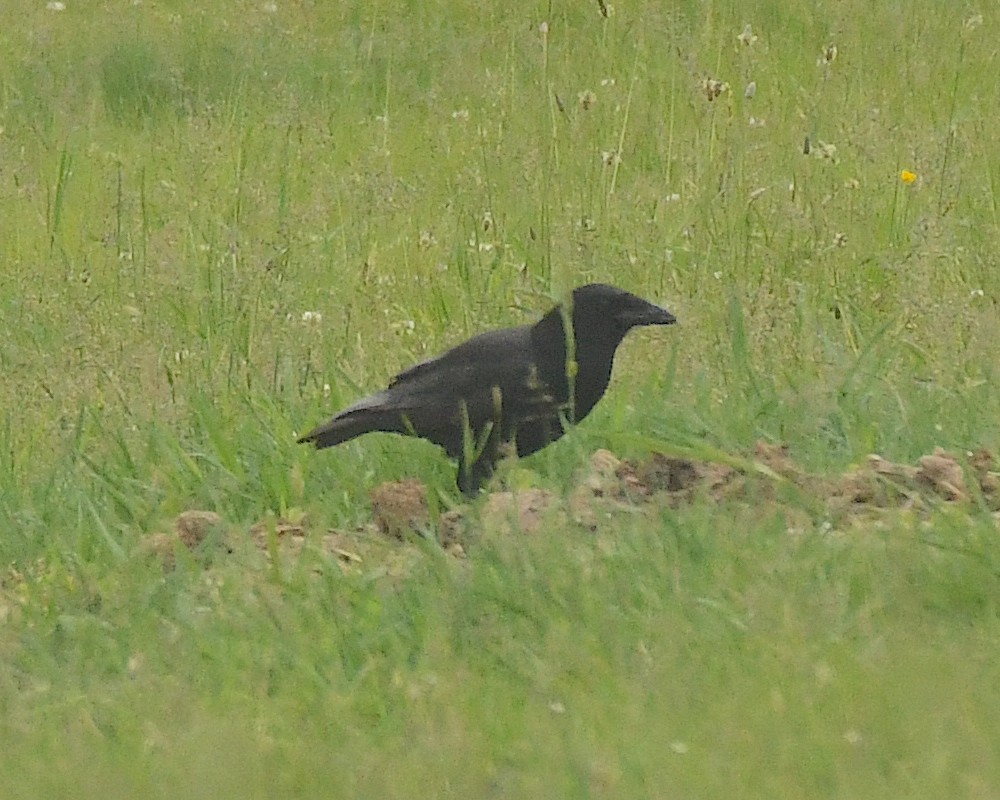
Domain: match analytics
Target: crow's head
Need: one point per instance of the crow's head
(608, 311)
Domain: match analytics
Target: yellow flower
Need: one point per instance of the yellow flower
(907, 177)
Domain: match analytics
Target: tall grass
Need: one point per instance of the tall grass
(220, 223)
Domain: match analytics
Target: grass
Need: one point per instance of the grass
(219, 224)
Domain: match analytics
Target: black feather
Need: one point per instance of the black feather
(504, 387)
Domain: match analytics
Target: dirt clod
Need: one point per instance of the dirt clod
(400, 508)
(525, 510)
(192, 527)
(984, 465)
(777, 458)
(680, 480)
(943, 475)
(452, 528)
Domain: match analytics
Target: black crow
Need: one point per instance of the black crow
(515, 386)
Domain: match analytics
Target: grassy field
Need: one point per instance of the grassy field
(220, 222)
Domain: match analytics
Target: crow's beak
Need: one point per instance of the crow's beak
(647, 314)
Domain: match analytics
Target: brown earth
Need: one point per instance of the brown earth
(401, 512)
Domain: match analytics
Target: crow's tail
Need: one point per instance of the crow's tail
(365, 417)
(335, 431)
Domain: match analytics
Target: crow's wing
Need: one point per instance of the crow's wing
(490, 379)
